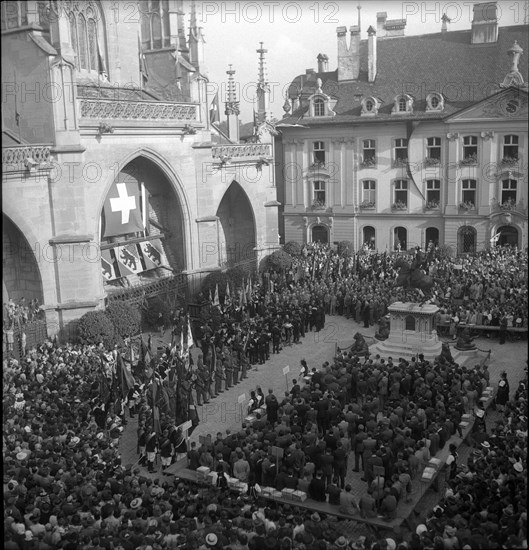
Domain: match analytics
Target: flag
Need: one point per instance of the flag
(182, 342)
(121, 210)
(156, 420)
(102, 69)
(494, 239)
(109, 265)
(249, 289)
(126, 379)
(153, 254)
(190, 342)
(128, 258)
(216, 297)
(144, 73)
(145, 358)
(214, 110)
(242, 297)
(485, 359)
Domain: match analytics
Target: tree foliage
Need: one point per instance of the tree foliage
(277, 261)
(125, 318)
(293, 248)
(95, 327)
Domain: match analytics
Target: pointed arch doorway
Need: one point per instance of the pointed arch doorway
(141, 226)
(237, 227)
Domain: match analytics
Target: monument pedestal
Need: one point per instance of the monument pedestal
(412, 331)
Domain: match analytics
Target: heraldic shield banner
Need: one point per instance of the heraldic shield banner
(133, 258)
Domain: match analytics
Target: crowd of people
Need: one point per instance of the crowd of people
(65, 485)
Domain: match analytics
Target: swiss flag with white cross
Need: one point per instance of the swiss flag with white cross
(122, 209)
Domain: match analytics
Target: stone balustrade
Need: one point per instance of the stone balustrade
(137, 110)
(17, 157)
(243, 150)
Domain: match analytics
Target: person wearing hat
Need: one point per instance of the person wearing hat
(502, 395)
(341, 542)
(451, 462)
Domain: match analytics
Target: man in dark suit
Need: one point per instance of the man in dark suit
(317, 488)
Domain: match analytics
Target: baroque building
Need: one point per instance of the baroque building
(114, 175)
(411, 139)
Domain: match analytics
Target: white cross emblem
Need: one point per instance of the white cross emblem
(123, 203)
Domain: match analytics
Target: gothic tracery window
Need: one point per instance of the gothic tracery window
(86, 35)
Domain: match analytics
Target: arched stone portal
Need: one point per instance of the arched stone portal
(142, 229)
(320, 234)
(508, 235)
(21, 274)
(237, 226)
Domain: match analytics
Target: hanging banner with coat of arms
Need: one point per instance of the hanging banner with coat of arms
(109, 265)
(153, 254)
(129, 260)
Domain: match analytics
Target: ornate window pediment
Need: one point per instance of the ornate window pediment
(370, 106)
(435, 102)
(403, 105)
(320, 104)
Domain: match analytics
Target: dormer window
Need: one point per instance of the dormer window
(434, 102)
(403, 104)
(319, 107)
(320, 103)
(370, 106)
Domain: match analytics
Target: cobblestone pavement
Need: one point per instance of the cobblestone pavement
(224, 412)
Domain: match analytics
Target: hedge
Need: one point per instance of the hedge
(95, 327)
(293, 248)
(125, 318)
(277, 261)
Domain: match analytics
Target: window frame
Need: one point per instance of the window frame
(154, 15)
(469, 186)
(318, 107)
(369, 159)
(512, 192)
(319, 193)
(369, 191)
(474, 145)
(515, 153)
(86, 28)
(433, 147)
(319, 151)
(20, 18)
(398, 147)
(433, 192)
(400, 191)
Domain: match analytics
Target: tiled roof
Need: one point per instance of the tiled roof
(418, 65)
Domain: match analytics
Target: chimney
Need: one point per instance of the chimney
(323, 63)
(394, 27)
(371, 54)
(381, 23)
(445, 19)
(355, 50)
(232, 108)
(485, 23)
(348, 57)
